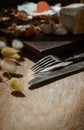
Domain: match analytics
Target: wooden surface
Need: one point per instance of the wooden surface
(55, 106)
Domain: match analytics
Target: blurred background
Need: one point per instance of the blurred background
(14, 3)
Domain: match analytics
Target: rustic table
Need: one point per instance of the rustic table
(58, 105)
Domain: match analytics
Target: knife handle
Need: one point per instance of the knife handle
(77, 57)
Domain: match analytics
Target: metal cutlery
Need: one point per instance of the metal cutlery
(51, 60)
(69, 69)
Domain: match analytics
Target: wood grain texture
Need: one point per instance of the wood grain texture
(56, 106)
(42, 45)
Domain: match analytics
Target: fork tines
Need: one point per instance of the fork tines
(45, 62)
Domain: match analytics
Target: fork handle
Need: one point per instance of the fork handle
(76, 57)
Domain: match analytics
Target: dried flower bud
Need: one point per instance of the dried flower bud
(16, 84)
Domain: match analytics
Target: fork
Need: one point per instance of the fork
(51, 60)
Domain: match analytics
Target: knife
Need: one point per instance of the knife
(72, 68)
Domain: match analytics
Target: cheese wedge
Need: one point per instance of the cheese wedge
(72, 18)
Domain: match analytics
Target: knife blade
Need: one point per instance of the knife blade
(57, 73)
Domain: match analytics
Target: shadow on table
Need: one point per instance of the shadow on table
(18, 94)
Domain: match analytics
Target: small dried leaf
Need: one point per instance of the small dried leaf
(16, 84)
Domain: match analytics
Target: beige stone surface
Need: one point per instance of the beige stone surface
(55, 106)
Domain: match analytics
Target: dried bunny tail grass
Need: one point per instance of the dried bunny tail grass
(3, 42)
(14, 60)
(0, 60)
(8, 65)
(17, 44)
(9, 51)
(16, 84)
(16, 56)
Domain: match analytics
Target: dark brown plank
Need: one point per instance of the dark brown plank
(51, 44)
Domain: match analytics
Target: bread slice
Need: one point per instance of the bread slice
(72, 18)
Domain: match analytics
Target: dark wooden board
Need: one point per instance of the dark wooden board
(42, 45)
